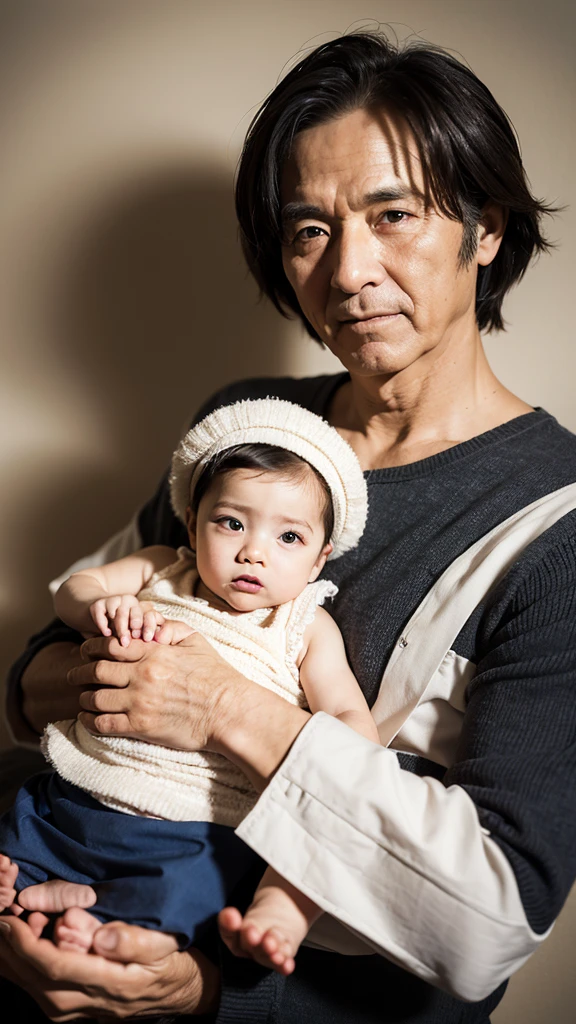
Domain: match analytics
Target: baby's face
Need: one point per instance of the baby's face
(258, 538)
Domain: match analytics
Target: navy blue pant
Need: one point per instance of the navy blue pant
(170, 875)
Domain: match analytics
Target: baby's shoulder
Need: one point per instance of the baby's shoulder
(158, 556)
(161, 551)
(321, 632)
(322, 625)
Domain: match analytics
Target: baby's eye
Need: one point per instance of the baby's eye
(231, 523)
(290, 537)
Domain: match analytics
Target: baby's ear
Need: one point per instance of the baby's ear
(191, 527)
(320, 562)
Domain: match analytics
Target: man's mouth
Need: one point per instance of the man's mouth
(367, 323)
(247, 584)
(368, 316)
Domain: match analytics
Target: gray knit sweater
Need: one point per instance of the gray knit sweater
(517, 756)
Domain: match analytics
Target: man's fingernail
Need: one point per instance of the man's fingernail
(107, 939)
(5, 927)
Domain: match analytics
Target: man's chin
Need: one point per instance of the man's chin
(375, 356)
(385, 345)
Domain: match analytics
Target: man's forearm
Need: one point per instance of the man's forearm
(47, 696)
(256, 733)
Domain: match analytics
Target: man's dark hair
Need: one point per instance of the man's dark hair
(466, 144)
(265, 458)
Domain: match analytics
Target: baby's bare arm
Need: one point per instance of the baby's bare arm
(280, 916)
(80, 591)
(328, 680)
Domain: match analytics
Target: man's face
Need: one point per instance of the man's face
(376, 273)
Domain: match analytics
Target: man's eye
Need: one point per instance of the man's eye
(394, 216)
(290, 537)
(309, 233)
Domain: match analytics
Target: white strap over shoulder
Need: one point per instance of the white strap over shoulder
(432, 630)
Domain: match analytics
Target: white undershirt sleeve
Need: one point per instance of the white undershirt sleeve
(400, 860)
(121, 544)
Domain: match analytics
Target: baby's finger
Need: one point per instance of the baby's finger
(163, 633)
(100, 618)
(121, 622)
(135, 621)
(112, 605)
(150, 621)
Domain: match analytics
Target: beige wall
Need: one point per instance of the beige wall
(123, 297)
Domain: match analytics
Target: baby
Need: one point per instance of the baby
(268, 492)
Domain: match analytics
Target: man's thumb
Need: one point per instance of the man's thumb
(131, 944)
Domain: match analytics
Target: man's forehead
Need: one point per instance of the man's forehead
(364, 156)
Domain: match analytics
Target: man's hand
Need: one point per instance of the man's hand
(185, 696)
(142, 980)
(174, 695)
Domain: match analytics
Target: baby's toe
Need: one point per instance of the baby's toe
(75, 930)
(251, 936)
(272, 942)
(230, 920)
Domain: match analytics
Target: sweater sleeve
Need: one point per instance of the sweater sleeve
(517, 755)
(458, 882)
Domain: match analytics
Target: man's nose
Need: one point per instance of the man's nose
(357, 260)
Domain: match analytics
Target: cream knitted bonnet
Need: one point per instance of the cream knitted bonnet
(286, 425)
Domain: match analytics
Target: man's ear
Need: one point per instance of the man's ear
(320, 562)
(191, 527)
(491, 228)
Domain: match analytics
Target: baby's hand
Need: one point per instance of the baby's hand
(126, 617)
(172, 632)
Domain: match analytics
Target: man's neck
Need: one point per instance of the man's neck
(430, 406)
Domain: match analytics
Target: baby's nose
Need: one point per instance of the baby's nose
(252, 550)
(253, 557)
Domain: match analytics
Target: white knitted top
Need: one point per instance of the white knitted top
(141, 778)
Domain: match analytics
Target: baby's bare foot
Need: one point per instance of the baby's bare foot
(8, 876)
(273, 927)
(75, 930)
(56, 895)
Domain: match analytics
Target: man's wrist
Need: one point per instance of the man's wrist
(204, 986)
(255, 728)
(45, 693)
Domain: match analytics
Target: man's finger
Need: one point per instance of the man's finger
(107, 725)
(100, 673)
(62, 966)
(131, 944)
(104, 648)
(103, 701)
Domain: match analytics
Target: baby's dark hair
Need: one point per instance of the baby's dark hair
(268, 458)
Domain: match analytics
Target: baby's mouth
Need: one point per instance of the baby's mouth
(247, 584)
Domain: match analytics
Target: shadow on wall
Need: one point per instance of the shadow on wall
(149, 311)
